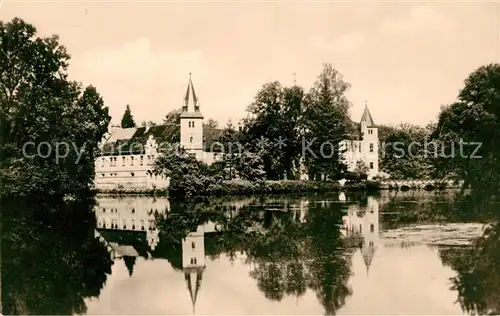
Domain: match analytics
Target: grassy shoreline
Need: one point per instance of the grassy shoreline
(269, 187)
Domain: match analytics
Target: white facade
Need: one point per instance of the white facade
(128, 172)
(366, 149)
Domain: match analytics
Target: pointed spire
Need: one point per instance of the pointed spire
(193, 292)
(367, 251)
(367, 117)
(190, 98)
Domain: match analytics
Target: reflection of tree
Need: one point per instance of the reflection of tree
(478, 273)
(50, 266)
(287, 256)
(329, 269)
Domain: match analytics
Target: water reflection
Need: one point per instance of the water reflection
(285, 255)
(49, 262)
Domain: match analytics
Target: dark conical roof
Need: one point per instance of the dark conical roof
(367, 117)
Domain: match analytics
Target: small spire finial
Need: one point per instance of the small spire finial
(366, 103)
(189, 75)
(294, 78)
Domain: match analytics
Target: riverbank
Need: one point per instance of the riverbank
(244, 188)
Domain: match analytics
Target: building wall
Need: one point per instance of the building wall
(191, 137)
(129, 172)
(366, 150)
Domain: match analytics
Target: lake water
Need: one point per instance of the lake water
(354, 255)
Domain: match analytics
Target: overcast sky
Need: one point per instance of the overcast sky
(405, 59)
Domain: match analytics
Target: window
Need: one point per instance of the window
(372, 228)
(193, 260)
(133, 224)
(371, 148)
(111, 174)
(191, 139)
(371, 209)
(359, 147)
(133, 210)
(192, 124)
(142, 160)
(123, 161)
(102, 162)
(360, 229)
(104, 210)
(131, 161)
(142, 225)
(132, 174)
(371, 165)
(193, 245)
(102, 174)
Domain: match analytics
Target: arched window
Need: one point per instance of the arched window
(191, 139)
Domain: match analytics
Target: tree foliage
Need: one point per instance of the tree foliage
(127, 118)
(39, 104)
(471, 123)
(326, 120)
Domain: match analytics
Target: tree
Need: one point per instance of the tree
(150, 123)
(468, 132)
(325, 123)
(39, 104)
(405, 154)
(276, 116)
(127, 119)
(361, 169)
(173, 126)
(229, 138)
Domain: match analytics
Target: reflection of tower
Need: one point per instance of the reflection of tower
(371, 232)
(193, 261)
(364, 224)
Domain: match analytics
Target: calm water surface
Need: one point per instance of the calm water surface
(392, 254)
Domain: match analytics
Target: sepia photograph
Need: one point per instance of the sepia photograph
(249, 157)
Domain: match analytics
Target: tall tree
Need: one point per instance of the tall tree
(274, 127)
(127, 118)
(173, 125)
(38, 104)
(325, 123)
(468, 132)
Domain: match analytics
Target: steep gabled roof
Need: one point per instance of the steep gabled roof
(367, 117)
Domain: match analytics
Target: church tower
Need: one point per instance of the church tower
(191, 138)
(193, 262)
(369, 143)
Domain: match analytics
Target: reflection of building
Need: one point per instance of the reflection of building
(126, 222)
(193, 258)
(363, 223)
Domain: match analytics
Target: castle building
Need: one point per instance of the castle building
(363, 146)
(128, 154)
(364, 224)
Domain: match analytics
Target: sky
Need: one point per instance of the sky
(405, 59)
